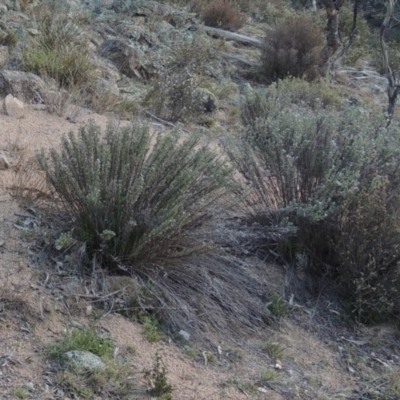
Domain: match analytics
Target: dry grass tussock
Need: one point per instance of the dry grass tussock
(293, 48)
(223, 14)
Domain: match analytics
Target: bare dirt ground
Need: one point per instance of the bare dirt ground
(312, 353)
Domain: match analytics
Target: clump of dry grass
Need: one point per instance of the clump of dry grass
(293, 48)
(223, 14)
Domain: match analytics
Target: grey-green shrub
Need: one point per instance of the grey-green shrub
(135, 196)
(333, 174)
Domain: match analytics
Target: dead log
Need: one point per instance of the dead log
(220, 33)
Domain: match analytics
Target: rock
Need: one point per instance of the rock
(26, 86)
(103, 86)
(85, 359)
(123, 55)
(33, 32)
(184, 335)
(13, 107)
(4, 56)
(4, 164)
(3, 9)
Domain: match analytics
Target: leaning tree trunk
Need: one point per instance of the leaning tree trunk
(393, 86)
(332, 8)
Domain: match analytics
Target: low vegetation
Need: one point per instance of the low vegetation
(331, 175)
(223, 14)
(60, 51)
(293, 48)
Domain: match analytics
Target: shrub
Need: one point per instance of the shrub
(133, 201)
(174, 93)
(223, 14)
(293, 48)
(333, 177)
(59, 52)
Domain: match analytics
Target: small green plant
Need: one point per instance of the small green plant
(270, 375)
(157, 382)
(131, 349)
(21, 393)
(191, 352)
(273, 349)
(236, 355)
(80, 339)
(64, 241)
(243, 386)
(277, 306)
(151, 329)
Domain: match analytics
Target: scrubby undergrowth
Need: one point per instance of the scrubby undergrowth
(331, 178)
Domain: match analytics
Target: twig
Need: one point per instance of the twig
(163, 121)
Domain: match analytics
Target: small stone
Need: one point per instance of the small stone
(85, 359)
(184, 335)
(33, 32)
(13, 107)
(30, 386)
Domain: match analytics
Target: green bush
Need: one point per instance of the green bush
(60, 51)
(292, 48)
(135, 196)
(332, 174)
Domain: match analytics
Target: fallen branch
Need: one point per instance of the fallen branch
(248, 40)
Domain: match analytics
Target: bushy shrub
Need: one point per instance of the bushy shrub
(59, 52)
(174, 92)
(333, 176)
(292, 48)
(134, 196)
(223, 14)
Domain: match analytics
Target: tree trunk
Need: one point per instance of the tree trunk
(393, 86)
(332, 8)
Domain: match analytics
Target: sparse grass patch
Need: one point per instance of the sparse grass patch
(151, 329)
(80, 339)
(59, 52)
(270, 375)
(243, 386)
(115, 381)
(157, 382)
(20, 392)
(277, 306)
(273, 349)
(191, 352)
